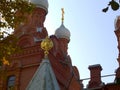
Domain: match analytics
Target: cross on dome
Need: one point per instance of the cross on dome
(62, 31)
(62, 9)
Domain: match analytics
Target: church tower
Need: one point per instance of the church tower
(29, 65)
(33, 29)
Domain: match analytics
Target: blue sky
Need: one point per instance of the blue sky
(93, 40)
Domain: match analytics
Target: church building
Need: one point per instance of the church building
(44, 63)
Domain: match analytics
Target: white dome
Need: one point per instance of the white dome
(62, 32)
(40, 3)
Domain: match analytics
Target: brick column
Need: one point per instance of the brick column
(95, 76)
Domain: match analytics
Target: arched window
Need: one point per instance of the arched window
(11, 82)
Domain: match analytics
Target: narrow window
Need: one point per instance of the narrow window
(11, 83)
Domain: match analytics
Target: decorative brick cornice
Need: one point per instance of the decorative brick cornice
(33, 50)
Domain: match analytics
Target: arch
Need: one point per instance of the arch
(26, 40)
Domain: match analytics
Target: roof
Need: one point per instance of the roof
(44, 78)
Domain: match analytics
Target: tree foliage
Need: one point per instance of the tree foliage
(9, 10)
(12, 13)
(8, 46)
(113, 4)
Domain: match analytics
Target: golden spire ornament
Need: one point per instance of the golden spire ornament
(46, 45)
(62, 9)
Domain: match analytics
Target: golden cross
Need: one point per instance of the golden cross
(62, 9)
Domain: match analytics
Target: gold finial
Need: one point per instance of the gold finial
(62, 9)
(46, 45)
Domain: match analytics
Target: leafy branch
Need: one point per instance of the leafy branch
(113, 4)
(13, 12)
(8, 46)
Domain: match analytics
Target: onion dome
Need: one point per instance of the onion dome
(40, 3)
(62, 32)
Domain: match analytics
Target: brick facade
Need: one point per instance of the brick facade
(25, 63)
